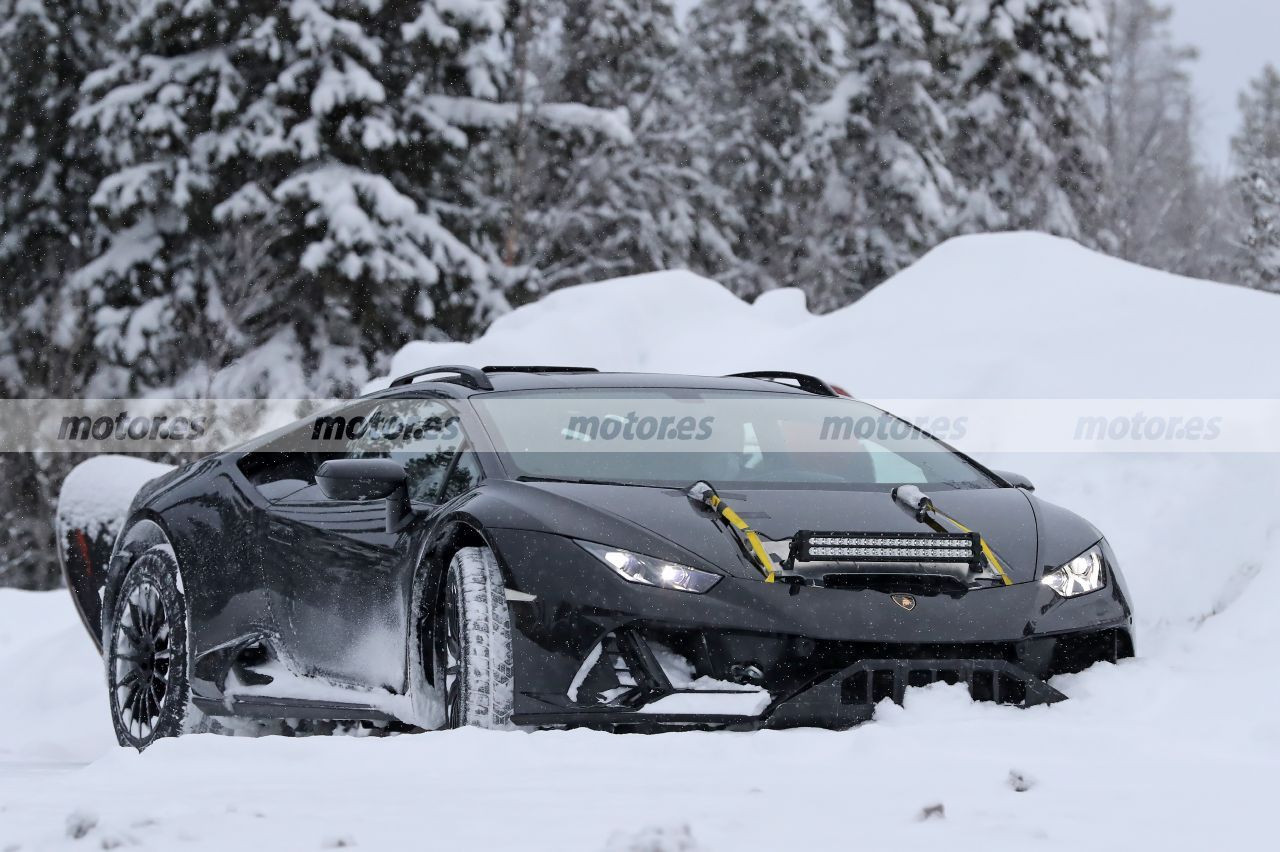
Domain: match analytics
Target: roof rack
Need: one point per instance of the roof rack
(528, 369)
(811, 384)
(470, 376)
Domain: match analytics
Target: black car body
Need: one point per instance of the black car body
(302, 606)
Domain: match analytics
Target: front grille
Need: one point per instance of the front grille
(872, 681)
(923, 585)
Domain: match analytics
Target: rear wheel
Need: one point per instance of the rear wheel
(473, 643)
(146, 655)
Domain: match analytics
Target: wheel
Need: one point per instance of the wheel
(147, 654)
(473, 643)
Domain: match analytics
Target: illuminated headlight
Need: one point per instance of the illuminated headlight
(647, 571)
(1080, 576)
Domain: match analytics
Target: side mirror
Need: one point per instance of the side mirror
(368, 479)
(360, 479)
(1016, 480)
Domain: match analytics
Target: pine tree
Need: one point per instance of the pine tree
(1025, 151)
(1257, 153)
(890, 195)
(46, 50)
(1159, 208)
(607, 177)
(762, 66)
(283, 185)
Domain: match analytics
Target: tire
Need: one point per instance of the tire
(473, 647)
(146, 654)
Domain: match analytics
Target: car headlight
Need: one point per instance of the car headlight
(1080, 576)
(647, 571)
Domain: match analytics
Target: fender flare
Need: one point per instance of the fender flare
(448, 536)
(141, 533)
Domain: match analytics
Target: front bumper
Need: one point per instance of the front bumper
(591, 649)
(630, 681)
(841, 700)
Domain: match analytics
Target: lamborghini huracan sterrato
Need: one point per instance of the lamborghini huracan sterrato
(554, 547)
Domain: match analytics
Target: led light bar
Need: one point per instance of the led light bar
(884, 547)
(863, 541)
(913, 552)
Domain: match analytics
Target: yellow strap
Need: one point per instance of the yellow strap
(986, 551)
(757, 547)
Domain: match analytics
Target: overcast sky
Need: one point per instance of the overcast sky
(1236, 38)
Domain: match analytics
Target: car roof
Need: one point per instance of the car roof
(523, 379)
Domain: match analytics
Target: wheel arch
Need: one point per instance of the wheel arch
(433, 561)
(145, 530)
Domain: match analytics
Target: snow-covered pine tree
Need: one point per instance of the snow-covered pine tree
(1160, 206)
(281, 184)
(1257, 153)
(46, 50)
(889, 195)
(1146, 105)
(1025, 151)
(607, 177)
(47, 47)
(761, 67)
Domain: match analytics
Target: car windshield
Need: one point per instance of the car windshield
(673, 437)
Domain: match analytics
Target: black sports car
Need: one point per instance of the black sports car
(545, 546)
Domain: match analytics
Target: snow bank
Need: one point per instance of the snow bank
(1007, 315)
(1174, 750)
(53, 708)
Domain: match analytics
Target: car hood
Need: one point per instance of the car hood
(1003, 516)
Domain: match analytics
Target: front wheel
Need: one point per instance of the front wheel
(473, 643)
(146, 655)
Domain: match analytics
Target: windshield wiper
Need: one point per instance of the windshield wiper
(961, 484)
(704, 493)
(571, 481)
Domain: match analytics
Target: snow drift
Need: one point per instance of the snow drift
(1176, 749)
(1008, 315)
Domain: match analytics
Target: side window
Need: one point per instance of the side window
(287, 464)
(423, 435)
(465, 476)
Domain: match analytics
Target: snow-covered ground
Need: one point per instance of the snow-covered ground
(1178, 749)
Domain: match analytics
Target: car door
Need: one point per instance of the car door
(263, 476)
(343, 580)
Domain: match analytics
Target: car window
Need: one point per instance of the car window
(422, 434)
(466, 475)
(673, 437)
(288, 463)
(892, 468)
